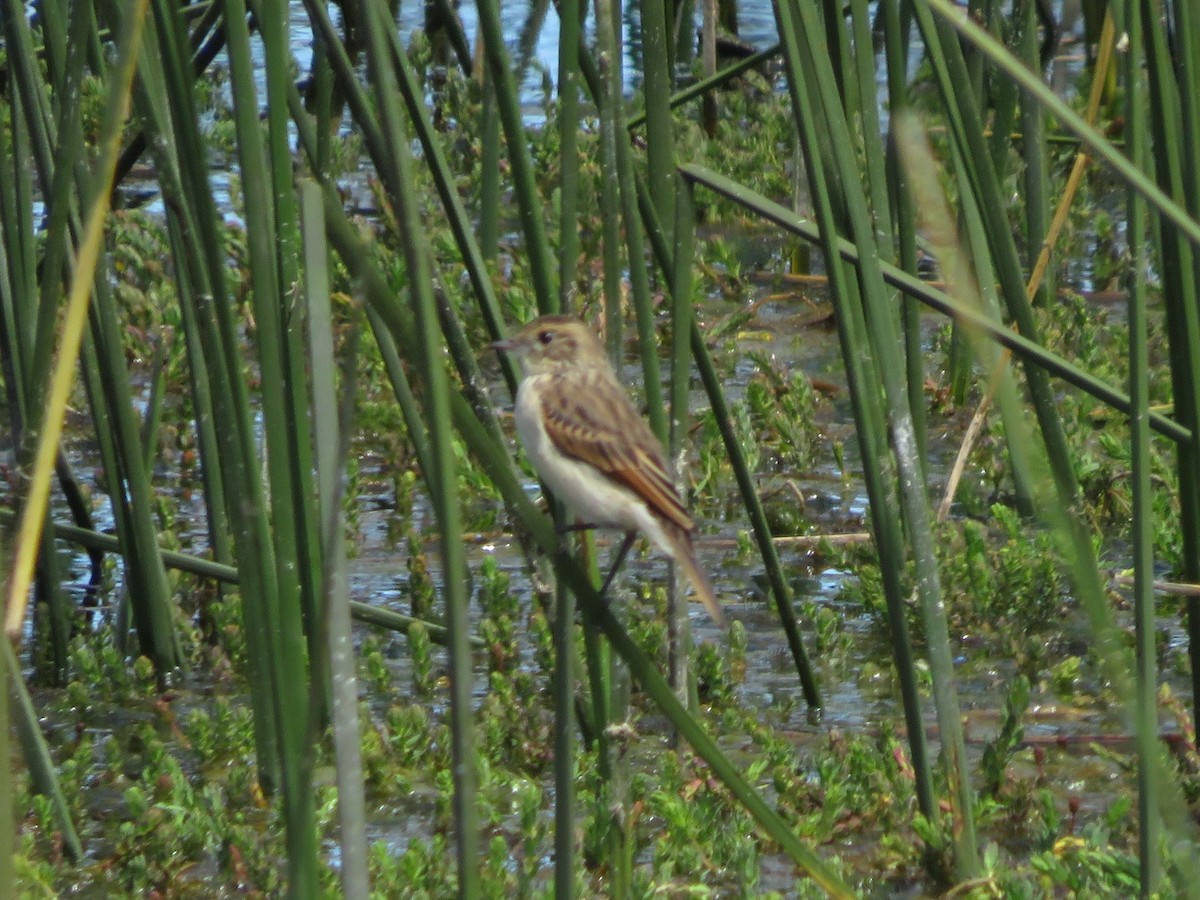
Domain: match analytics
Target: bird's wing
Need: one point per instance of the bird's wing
(592, 420)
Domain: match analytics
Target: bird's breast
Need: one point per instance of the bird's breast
(588, 493)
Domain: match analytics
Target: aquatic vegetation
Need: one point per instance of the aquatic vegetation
(278, 388)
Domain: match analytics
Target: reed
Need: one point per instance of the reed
(272, 410)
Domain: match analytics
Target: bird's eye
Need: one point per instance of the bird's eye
(546, 336)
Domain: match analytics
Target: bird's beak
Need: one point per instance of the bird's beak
(505, 345)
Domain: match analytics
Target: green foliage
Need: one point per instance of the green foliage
(104, 674)
(222, 732)
(1089, 866)
(425, 868)
(754, 144)
(1095, 339)
(714, 675)
(781, 409)
(999, 752)
(703, 832)
(514, 728)
(421, 591)
(420, 650)
(1064, 676)
(498, 627)
(1001, 583)
(373, 668)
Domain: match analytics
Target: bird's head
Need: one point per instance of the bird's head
(549, 343)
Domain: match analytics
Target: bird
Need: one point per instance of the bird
(593, 449)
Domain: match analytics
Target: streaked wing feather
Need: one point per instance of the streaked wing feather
(593, 421)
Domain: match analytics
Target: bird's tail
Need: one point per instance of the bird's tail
(685, 557)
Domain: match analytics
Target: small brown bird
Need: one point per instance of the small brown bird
(590, 446)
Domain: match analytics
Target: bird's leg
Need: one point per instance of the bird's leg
(630, 536)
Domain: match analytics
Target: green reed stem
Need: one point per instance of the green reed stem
(8, 819)
(272, 19)
(608, 97)
(152, 418)
(570, 14)
(1187, 65)
(896, 44)
(1178, 173)
(410, 408)
(528, 199)
(18, 272)
(270, 234)
(679, 635)
(29, 95)
(978, 246)
(489, 173)
(220, 529)
(1033, 147)
(110, 480)
(868, 127)
(394, 621)
(443, 478)
(527, 37)
(67, 132)
(1146, 702)
(639, 284)
(564, 677)
(150, 594)
(334, 621)
(565, 737)
(42, 773)
(54, 37)
(449, 20)
(656, 88)
(606, 672)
